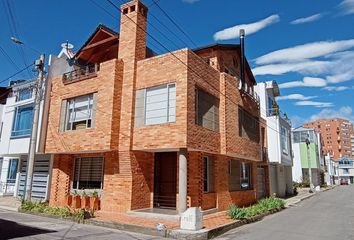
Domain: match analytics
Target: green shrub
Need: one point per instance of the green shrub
(42, 207)
(263, 206)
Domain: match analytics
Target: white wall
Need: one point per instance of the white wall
(297, 168)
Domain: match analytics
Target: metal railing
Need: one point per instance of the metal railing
(81, 73)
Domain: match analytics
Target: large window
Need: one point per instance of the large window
(155, 105)
(208, 174)
(248, 125)
(79, 112)
(239, 176)
(284, 140)
(207, 110)
(22, 125)
(88, 173)
(23, 94)
(12, 171)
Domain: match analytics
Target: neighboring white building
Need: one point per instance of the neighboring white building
(278, 139)
(344, 171)
(306, 156)
(16, 122)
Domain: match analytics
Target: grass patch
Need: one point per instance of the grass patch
(263, 206)
(41, 207)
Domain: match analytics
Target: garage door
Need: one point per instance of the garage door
(40, 177)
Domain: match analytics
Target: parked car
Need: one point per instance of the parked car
(344, 182)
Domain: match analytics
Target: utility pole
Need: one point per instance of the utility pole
(309, 162)
(33, 141)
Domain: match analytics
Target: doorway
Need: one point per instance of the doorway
(165, 180)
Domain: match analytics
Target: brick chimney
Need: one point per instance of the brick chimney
(132, 48)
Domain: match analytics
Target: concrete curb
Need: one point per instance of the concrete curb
(12, 209)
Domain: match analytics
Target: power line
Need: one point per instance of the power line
(8, 57)
(174, 23)
(27, 67)
(188, 67)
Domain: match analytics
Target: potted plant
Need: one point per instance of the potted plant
(94, 201)
(76, 200)
(68, 200)
(85, 200)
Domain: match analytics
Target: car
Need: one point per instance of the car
(344, 182)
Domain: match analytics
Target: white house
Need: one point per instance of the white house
(16, 122)
(307, 155)
(278, 139)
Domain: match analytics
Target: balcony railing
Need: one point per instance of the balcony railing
(81, 73)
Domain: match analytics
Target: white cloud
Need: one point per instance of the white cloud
(346, 7)
(233, 32)
(306, 82)
(305, 51)
(337, 89)
(305, 67)
(314, 104)
(297, 121)
(311, 18)
(345, 112)
(295, 97)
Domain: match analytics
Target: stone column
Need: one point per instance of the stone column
(182, 180)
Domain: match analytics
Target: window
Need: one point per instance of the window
(88, 173)
(345, 170)
(12, 171)
(207, 110)
(239, 176)
(284, 140)
(208, 174)
(23, 94)
(270, 106)
(79, 112)
(22, 125)
(245, 176)
(160, 104)
(248, 125)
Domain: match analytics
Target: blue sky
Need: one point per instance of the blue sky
(308, 48)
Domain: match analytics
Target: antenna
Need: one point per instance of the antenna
(67, 45)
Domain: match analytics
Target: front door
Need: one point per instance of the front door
(165, 180)
(261, 183)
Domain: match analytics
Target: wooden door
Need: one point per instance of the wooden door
(165, 184)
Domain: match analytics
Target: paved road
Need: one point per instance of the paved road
(23, 226)
(326, 216)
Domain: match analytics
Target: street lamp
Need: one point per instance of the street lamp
(309, 162)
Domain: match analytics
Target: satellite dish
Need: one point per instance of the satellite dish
(67, 45)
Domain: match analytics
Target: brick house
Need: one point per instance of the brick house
(146, 130)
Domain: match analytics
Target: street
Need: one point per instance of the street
(328, 215)
(23, 226)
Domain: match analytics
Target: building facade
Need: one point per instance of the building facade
(307, 154)
(336, 136)
(145, 130)
(16, 128)
(345, 171)
(278, 138)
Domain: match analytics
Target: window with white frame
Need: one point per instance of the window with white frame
(79, 113)
(160, 104)
(88, 173)
(24, 94)
(22, 125)
(208, 174)
(284, 140)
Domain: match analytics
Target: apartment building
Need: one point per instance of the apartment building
(352, 141)
(278, 138)
(154, 131)
(306, 145)
(336, 136)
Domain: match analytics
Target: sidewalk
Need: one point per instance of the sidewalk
(213, 224)
(9, 203)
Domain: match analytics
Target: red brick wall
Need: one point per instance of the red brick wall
(100, 136)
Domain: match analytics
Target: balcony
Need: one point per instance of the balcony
(81, 73)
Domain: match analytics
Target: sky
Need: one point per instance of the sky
(306, 46)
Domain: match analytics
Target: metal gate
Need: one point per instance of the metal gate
(40, 177)
(261, 183)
